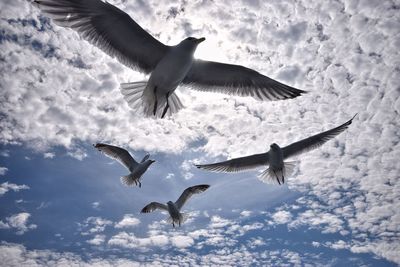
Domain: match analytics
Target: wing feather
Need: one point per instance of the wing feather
(236, 80)
(153, 206)
(108, 28)
(237, 164)
(314, 141)
(119, 154)
(188, 192)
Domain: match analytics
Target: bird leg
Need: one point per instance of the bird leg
(173, 225)
(166, 106)
(155, 103)
(277, 178)
(140, 184)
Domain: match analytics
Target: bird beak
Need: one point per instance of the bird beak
(200, 40)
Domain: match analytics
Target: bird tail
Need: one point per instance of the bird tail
(130, 180)
(133, 93)
(143, 100)
(278, 177)
(183, 217)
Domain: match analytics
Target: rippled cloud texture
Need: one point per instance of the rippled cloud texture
(59, 94)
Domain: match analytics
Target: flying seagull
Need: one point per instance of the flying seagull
(117, 34)
(123, 157)
(174, 208)
(278, 168)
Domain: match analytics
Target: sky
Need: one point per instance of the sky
(62, 202)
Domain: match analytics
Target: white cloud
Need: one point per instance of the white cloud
(94, 225)
(170, 176)
(18, 222)
(181, 241)
(128, 221)
(5, 187)
(3, 170)
(97, 240)
(96, 205)
(282, 217)
(49, 155)
(186, 166)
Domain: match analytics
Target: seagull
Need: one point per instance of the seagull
(169, 66)
(174, 208)
(278, 168)
(123, 157)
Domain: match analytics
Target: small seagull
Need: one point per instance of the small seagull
(118, 35)
(275, 157)
(123, 157)
(174, 208)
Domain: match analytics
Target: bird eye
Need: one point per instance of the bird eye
(190, 38)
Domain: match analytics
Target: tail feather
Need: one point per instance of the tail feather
(130, 180)
(143, 100)
(133, 93)
(277, 177)
(183, 217)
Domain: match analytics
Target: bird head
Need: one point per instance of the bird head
(191, 43)
(274, 146)
(170, 203)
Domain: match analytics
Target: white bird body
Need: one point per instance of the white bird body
(174, 208)
(176, 216)
(172, 69)
(167, 76)
(277, 169)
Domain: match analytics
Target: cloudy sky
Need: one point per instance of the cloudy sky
(62, 202)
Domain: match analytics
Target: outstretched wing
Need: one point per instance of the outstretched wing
(236, 80)
(153, 206)
(189, 192)
(118, 154)
(237, 164)
(314, 141)
(109, 28)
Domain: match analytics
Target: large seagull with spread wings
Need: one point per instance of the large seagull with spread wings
(117, 34)
(274, 158)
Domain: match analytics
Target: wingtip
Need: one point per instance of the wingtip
(144, 210)
(204, 186)
(351, 120)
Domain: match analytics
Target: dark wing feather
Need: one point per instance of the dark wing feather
(236, 80)
(237, 164)
(109, 28)
(153, 206)
(314, 141)
(117, 153)
(190, 191)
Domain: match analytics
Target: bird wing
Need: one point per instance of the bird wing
(153, 206)
(236, 80)
(237, 164)
(109, 28)
(118, 154)
(188, 192)
(314, 141)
